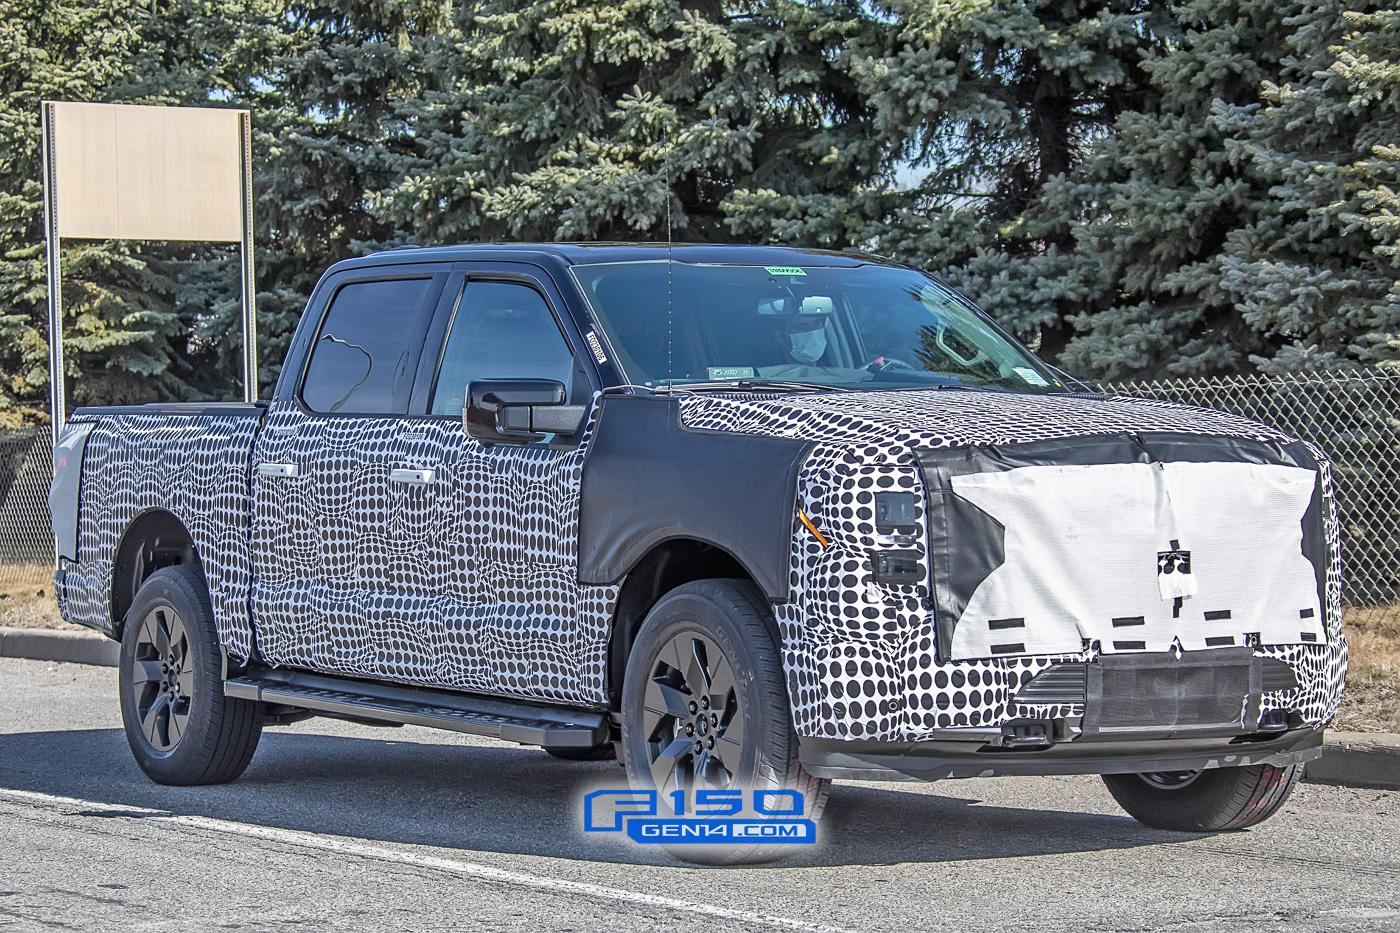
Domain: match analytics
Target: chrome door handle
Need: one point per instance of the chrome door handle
(412, 477)
(286, 470)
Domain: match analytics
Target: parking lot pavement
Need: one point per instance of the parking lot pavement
(352, 827)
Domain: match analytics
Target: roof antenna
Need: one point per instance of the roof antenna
(670, 367)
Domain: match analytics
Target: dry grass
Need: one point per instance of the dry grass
(1371, 702)
(26, 596)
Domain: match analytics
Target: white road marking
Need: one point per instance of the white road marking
(474, 870)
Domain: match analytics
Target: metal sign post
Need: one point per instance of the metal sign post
(57, 401)
(133, 172)
(250, 313)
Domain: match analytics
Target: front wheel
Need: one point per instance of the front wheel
(704, 706)
(1207, 801)
(181, 727)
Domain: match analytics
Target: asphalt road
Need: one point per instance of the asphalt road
(344, 827)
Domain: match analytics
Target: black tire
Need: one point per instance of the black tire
(180, 726)
(730, 616)
(605, 752)
(1209, 801)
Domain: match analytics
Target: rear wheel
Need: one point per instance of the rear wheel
(180, 726)
(704, 706)
(1212, 800)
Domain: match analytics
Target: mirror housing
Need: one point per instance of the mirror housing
(518, 410)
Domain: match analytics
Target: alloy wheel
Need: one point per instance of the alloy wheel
(693, 723)
(1169, 780)
(162, 678)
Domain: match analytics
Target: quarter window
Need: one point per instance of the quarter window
(362, 362)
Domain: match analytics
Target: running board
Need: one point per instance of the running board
(513, 721)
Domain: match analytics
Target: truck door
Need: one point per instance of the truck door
(506, 613)
(338, 535)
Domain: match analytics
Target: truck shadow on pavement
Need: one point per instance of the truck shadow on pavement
(495, 798)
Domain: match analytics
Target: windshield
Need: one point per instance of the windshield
(861, 327)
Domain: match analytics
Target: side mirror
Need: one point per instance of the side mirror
(518, 410)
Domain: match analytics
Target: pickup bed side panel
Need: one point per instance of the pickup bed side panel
(195, 466)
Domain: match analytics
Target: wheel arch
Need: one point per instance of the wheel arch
(153, 539)
(665, 566)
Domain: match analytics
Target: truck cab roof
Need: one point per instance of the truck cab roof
(569, 254)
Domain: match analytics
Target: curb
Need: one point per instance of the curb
(76, 647)
(1352, 759)
(1357, 759)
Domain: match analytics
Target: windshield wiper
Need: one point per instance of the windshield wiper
(754, 385)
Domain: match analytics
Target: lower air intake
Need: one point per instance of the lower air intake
(1156, 693)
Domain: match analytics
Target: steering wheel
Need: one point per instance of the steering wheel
(883, 364)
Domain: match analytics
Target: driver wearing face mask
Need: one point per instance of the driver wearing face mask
(804, 339)
(807, 353)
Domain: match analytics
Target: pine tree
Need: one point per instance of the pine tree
(983, 109)
(327, 137)
(584, 119)
(1317, 274)
(1169, 194)
(60, 50)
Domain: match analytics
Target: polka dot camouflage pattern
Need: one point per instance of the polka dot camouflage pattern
(194, 466)
(1321, 670)
(468, 582)
(861, 656)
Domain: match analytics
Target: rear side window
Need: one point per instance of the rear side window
(502, 330)
(363, 359)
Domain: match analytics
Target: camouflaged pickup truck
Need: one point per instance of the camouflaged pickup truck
(743, 516)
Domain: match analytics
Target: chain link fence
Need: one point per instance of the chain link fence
(1354, 416)
(26, 543)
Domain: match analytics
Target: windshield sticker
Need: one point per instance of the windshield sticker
(720, 373)
(1029, 375)
(784, 270)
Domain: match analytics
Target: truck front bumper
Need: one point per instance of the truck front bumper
(964, 753)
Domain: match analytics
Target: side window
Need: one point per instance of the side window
(502, 330)
(362, 362)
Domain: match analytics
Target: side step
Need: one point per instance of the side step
(514, 721)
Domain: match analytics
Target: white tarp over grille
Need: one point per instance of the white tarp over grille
(1082, 551)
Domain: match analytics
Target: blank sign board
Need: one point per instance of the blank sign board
(130, 172)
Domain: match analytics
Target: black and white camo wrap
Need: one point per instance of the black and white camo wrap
(469, 583)
(193, 466)
(472, 583)
(860, 656)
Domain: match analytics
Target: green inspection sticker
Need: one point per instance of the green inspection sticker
(784, 270)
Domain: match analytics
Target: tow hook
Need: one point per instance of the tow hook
(1035, 733)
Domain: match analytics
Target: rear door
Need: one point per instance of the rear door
(338, 537)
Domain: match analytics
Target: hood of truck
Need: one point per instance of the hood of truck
(922, 418)
(1059, 522)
